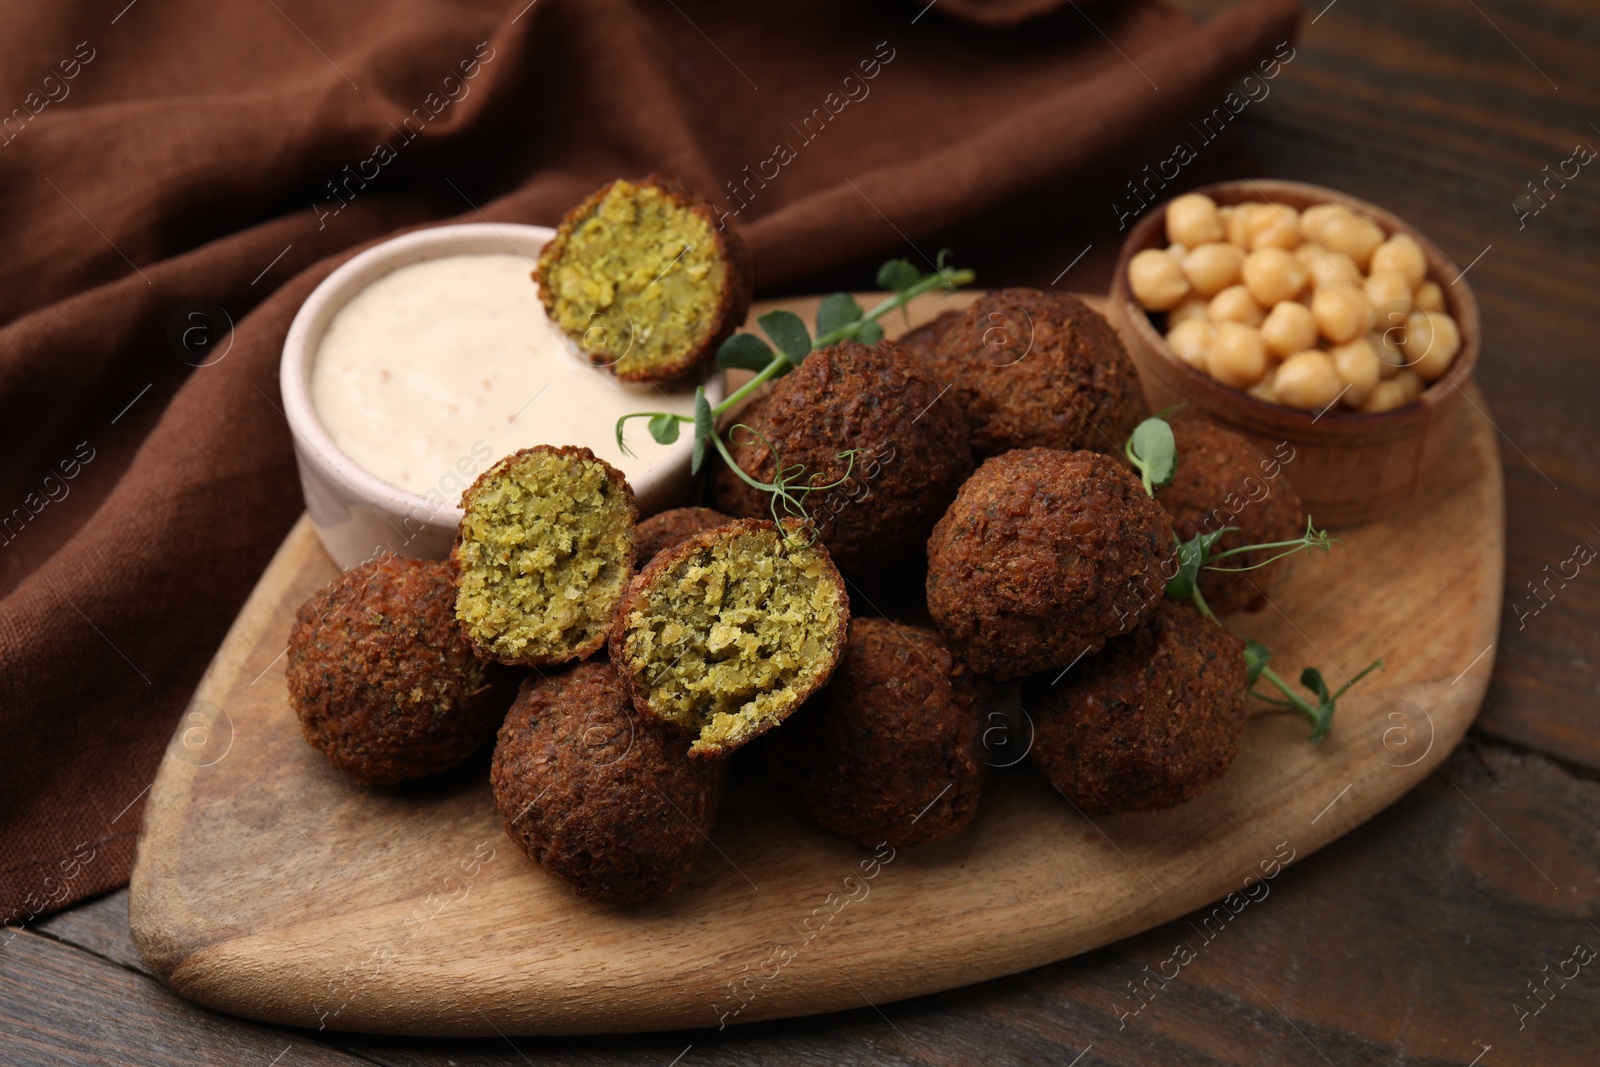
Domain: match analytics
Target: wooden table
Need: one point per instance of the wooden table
(1416, 939)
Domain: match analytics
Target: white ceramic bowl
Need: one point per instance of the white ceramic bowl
(357, 514)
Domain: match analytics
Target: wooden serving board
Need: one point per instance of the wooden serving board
(269, 885)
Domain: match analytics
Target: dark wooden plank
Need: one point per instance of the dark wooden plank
(99, 926)
(63, 1007)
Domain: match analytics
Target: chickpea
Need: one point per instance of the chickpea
(1213, 267)
(1389, 346)
(1359, 369)
(1235, 304)
(1388, 287)
(1192, 221)
(1307, 380)
(1342, 312)
(1241, 222)
(1177, 251)
(1157, 280)
(1273, 274)
(1328, 268)
(1289, 328)
(1193, 308)
(1266, 389)
(1432, 341)
(1402, 255)
(1313, 219)
(1237, 357)
(1385, 396)
(1190, 340)
(1429, 297)
(1355, 236)
(1276, 227)
(1409, 383)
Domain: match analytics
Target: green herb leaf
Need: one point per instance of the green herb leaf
(1256, 658)
(869, 332)
(1311, 678)
(1155, 452)
(704, 428)
(1192, 556)
(788, 332)
(744, 351)
(839, 309)
(898, 274)
(664, 428)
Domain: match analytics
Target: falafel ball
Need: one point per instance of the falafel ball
(642, 280)
(922, 342)
(1148, 723)
(911, 451)
(1044, 555)
(603, 798)
(1223, 479)
(1031, 369)
(543, 555)
(726, 634)
(383, 681)
(891, 749)
(673, 527)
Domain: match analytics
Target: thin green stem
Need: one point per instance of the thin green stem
(1295, 701)
(767, 373)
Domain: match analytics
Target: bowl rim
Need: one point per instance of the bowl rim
(337, 289)
(1459, 298)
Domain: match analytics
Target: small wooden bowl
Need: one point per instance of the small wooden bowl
(1349, 467)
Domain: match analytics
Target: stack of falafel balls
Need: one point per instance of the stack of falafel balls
(984, 528)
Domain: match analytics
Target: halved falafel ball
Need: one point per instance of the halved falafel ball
(1223, 479)
(729, 632)
(543, 555)
(601, 797)
(642, 280)
(891, 749)
(1148, 723)
(922, 342)
(1032, 369)
(673, 527)
(911, 451)
(383, 681)
(1044, 555)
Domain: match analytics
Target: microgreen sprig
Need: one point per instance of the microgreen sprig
(1153, 453)
(1320, 715)
(786, 488)
(839, 318)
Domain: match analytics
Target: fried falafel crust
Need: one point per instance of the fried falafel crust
(543, 555)
(674, 526)
(590, 276)
(891, 749)
(911, 451)
(381, 678)
(922, 342)
(599, 796)
(1221, 479)
(1043, 556)
(1032, 369)
(1148, 723)
(726, 634)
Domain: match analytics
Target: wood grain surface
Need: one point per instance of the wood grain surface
(269, 885)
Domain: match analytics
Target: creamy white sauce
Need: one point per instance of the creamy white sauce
(451, 360)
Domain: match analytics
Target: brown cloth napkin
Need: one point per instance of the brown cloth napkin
(170, 168)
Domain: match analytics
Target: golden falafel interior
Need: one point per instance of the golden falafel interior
(639, 280)
(543, 552)
(732, 637)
